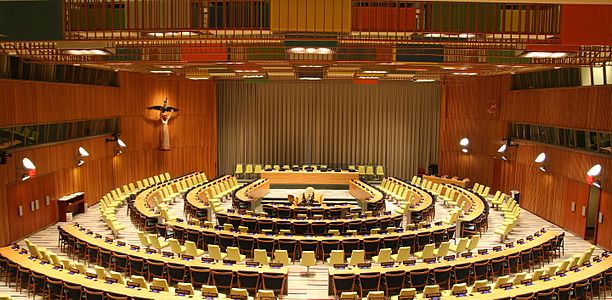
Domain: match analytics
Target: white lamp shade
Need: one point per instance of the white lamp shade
(541, 158)
(28, 164)
(464, 142)
(464, 150)
(121, 144)
(83, 152)
(594, 170)
(502, 149)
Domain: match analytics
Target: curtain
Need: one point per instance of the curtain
(338, 123)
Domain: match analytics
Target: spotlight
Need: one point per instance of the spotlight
(542, 168)
(28, 164)
(594, 171)
(464, 142)
(502, 149)
(119, 144)
(118, 152)
(25, 177)
(597, 184)
(80, 162)
(541, 158)
(503, 157)
(83, 152)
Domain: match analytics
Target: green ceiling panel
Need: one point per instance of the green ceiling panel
(31, 20)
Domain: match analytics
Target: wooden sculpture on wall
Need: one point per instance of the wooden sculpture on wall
(165, 114)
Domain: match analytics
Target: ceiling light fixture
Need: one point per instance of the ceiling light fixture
(502, 148)
(310, 50)
(172, 33)
(465, 73)
(368, 77)
(161, 71)
(253, 76)
(311, 78)
(374, 72)
(310, 66)
(87, 52)
(542, 54)
(424, 80)
(171, 67)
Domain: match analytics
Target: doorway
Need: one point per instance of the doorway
(591, 214)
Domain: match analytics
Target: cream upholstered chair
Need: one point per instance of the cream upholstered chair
(500, 281)
(140, 281)
(430, 289)
(233, 253)
(214, 252)
(80, 267)
(478, 284)
(403, 253)
(248, 170)
(308, 260)
(357, 257)
(257, 170)
(192, 249)
(473, 244)
(176, 247)
(518, 278)
(282, 256)
(376, 295)
(143, 239)
(100, 272)
(156, 243)
(384, 255)
(238, 293)
(117, 276)
(162, 283)
(239, 170)
(428, 251)
(265, 294)
(185, 286)
(460, 246)
(261, 256)
(458, 288)
(336, 257)
(443, 250)
(349, 296)
(405, 293)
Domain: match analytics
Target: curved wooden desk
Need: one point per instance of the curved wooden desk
(48, 270)
(304, 177)
(440, 180)
(425, 205)
(250, 195)
(197, 204)
(555, 282)
(544, 238)
(81, 234)
(368, 197)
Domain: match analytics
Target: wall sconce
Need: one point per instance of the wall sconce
(119, 144)
(502, 149)
(592, 174)
(464, 143)
(82, 154)
(541, 159)
(29, 167)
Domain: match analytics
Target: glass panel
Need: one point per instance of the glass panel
(571, 138)
(592, 142)
(604, 143)
(580, 140)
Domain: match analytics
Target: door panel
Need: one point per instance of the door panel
(604, 230)
(578, 193)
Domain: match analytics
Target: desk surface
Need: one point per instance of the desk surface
(545, 237)
(100, 242)
(78, 279)
(554, 282)
(460, 182)
(305, 177)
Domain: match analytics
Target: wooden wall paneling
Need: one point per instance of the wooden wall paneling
(604, 229)
(193, 137)
(578, 193)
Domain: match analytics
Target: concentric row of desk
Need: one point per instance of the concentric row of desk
(548, 239)
(81, 234)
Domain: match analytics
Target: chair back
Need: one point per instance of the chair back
(308, 259)
(261, 256)
(161, 282)
(214, 251)
(281, 256)
(384, 255)
(336, 257)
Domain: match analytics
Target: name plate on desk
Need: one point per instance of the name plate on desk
(389, 264)
(91, 275)
(466, 254)
(483, 251)
(186, 257)
(110, 280)
(183, 292)
(483, 289)
(409, 262)
(340, 266)
(509, 245)
(207, 260)
(132, 284)
(430, 260)
(364, 265)
(497, 248)
(120, 243)
(527, 281)
(108, 240)
(529, 238)
(134, 247)
(252, 264)
(276, 265)
(506, 286)
(229, 262)
(156, 289)
(167, 254)
(449, 257)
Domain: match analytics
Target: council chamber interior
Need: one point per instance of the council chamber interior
(305, 149)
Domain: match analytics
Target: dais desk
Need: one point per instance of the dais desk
(314, 177)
